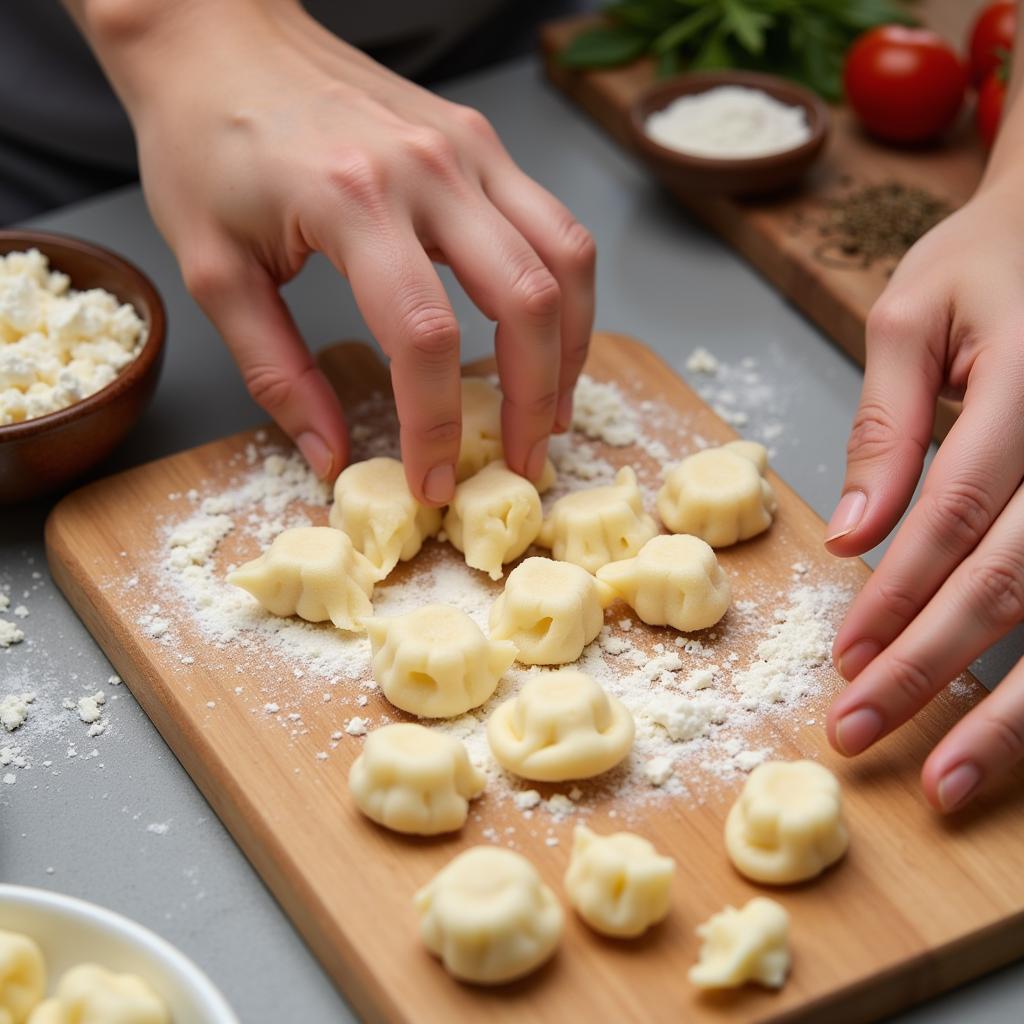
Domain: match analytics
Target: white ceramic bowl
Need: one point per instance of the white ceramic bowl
(71, 931)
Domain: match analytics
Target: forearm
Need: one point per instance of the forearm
(1006, 164)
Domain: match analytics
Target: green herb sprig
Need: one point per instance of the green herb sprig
(805, 40)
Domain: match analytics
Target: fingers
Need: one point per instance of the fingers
(244, 305)
(568, 251)
(983, 745)
(980, 602)
(406, 308)
(977, 469)
(509, 283)
(892, 428)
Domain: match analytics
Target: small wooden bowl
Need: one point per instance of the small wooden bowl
(40, 455)
(743, 176)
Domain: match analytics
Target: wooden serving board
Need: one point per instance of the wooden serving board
(780, 236)
(918, 905)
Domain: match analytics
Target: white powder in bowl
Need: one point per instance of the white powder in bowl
(729, 121)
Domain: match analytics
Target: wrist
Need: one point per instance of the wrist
(146, 46)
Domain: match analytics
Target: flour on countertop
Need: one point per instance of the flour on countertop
(10, 633)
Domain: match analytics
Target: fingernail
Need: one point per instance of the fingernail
(847, 515)
(535, 462)
(315, 451)
(563, 414)
(857, 657)
(439, 484)
(957, 786)
(858, 730)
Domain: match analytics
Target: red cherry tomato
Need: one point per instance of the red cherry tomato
(905, 84)
(991, 36)
(990, 107)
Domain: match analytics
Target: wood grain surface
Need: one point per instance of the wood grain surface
(780, 236)
(918, 905)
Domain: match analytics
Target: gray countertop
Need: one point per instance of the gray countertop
(125, 827)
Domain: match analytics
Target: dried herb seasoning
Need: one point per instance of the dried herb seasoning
(871, 223)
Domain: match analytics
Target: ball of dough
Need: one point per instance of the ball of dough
(599, 525)
(89, 994)
(719, 494)
(374, 506)
(560, 726)
(749, 944)
(673, 581)
(22, 977)
(619, 884)
(549, 610)
(435, 662)
(787, 824)
(313, 572)
(488, 916)
(481, 432)
(493, 518)
(413, 779)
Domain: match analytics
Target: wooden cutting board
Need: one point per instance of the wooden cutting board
(781, 236)
(919, 904)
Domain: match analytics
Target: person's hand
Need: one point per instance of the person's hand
(952, 582)
(263, 138)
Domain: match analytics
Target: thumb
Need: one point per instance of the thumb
(892, 428)
(244, 304)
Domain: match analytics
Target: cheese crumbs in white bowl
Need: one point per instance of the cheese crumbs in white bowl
(57, 345)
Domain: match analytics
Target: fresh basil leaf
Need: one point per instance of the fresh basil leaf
(747, 25)
(669, 63)
(686, 29)
(604, 47)
(714, 54)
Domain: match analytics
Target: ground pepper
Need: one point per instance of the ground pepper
(877, 222)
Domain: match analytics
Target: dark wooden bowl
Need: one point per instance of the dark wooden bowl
(747, 176)
(43, 454)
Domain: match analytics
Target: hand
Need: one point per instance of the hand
(263, 138)
(952, 582)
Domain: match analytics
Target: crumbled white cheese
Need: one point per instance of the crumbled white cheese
(658, 770)
(686, 718)
(527, 799)
(14, 710)
(702, 361)
(9, 633)
(57, 345)
(88, 708)
(356, 726)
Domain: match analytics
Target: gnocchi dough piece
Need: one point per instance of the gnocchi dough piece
(719, 494)
(673, 581)
(89, 994)
(488, 916)
(435, 662)
(314, 572)
(481, 432)
(481, 427)
(787, 824)
(749, 944)
(374, 506)
(415, 780)
(22, 977)
(561, 725)
(599, 525)
(619, 884)
(493, 518)
(550, 610)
